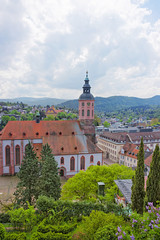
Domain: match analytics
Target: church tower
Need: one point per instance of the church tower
(86, 110)
(86, 102)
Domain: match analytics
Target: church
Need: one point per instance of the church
(73, 142)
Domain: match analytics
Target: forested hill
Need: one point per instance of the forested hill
(114, 103)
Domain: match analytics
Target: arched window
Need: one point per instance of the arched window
(17, 155)
(72, 164)
(82, 112)
(82, 163)
(91, 159)
(88, 113)
(8, 156)
(62, 160)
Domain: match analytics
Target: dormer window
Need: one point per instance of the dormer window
(37, 133)
(60, 133)
(24, 134)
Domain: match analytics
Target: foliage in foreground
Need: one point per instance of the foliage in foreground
(29, 174)
(83, 186)
(96, 222)
(138, 192)
(142, 227)
(37, 177)
(153, 181)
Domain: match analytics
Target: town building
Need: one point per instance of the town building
(52, 111)
(128, 155)
(111, 143)
(72, 141)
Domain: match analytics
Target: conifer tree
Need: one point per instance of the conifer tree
(49, 180)
(138, 192)
(153, 182)
(28, 178)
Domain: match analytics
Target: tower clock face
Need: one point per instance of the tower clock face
(88, 103)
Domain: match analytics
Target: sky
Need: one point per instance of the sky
(46, 46)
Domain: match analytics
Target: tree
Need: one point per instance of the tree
(28, 175)
(49, 118)
(153, 182)
(106, 124)
(138, 192)
(83, 185)
(97, 120)
(49, 179)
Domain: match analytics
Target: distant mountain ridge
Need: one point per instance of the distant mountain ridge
(113, 103)
(102, 104)
(35, 101)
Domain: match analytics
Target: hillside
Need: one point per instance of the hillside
(115, 103)
(101, 104)
(35, 101)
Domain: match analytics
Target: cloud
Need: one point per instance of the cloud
(46, 46)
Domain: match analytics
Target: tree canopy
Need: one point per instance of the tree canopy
(84, 185)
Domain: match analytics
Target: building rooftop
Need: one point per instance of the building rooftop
(64, 137)
(125, 188)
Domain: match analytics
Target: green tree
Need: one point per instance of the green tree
(12, 118)
(28, 175)
(49, 179)
(83, 185)
(97, 120)
(106, 124)
(49, 118)
(138, 192)
(153, 181)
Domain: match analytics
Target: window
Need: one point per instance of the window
(88, 113)
(88, 103)
(82, 112)
(62, 160)
(8, 157)
(91, 159)
(82, 163)
(17, 155)
(72, 164)
(83, 104)
(92, 113)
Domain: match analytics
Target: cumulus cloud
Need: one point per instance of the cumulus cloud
(47, 45)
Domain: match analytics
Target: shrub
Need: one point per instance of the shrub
(4, 218)
(106, 233)
(2, 232)
(50, 236)
(15, 236)
(97, 219)
(65, 228)
(69, 209)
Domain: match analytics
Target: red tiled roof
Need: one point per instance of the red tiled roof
(146, 136)
(117, 137)
(130, 150)
(33, 130)
(148, 160)
(64, 137)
